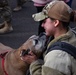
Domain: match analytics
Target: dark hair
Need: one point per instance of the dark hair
(65, 24)
(52, 18)
(72, 19)
(73, 16)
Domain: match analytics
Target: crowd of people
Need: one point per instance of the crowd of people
(6, 13)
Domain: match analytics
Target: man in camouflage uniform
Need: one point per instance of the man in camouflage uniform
(19, 5)
(5, 17)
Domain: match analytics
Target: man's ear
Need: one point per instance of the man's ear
(56, 23)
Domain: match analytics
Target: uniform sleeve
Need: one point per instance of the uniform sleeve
(36, 67)
(56, 62)
(50, 71)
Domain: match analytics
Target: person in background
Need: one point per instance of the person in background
(19, 5)
(57, 16)
(5, 17)
(39, 4)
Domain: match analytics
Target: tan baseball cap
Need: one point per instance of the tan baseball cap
(56, 9)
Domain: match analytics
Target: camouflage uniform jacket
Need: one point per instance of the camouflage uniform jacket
(57, 62)
(3, 3)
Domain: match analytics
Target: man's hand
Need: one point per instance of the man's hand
(29, 58)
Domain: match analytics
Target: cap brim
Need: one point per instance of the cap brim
(39, 16)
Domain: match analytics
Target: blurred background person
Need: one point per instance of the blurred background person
(5, 17)
(19, 5)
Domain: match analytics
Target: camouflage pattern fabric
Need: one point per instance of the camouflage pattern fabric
(5, 11)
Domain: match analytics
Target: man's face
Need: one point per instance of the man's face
(49, 27)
